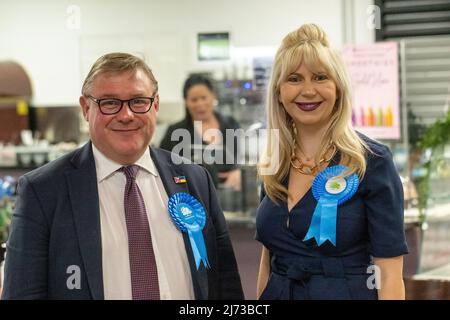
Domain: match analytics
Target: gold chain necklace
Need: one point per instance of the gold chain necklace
(308, 170)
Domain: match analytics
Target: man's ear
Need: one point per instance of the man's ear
(156, 103)
(84, 107)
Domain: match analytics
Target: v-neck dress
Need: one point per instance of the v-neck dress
(368, 225)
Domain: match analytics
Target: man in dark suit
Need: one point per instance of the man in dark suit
(95, 224)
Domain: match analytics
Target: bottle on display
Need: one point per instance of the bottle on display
(379, 121)
(389, 117)
(362, 117)
(354, 122)
(370, 117)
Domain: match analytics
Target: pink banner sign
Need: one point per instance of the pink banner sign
(373, 71)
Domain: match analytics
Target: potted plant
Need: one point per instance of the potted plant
(435, 139)
(427, 144)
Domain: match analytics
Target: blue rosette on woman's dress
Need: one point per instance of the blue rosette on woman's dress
(189, 216)
(330, 189)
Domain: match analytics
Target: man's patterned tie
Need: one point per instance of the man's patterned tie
(144, 274)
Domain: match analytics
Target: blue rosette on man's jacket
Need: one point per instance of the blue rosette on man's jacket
(330, 189)
(189, 216)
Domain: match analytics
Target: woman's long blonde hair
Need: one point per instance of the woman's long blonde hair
(308, 44)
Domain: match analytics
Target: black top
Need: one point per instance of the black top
(221, 164)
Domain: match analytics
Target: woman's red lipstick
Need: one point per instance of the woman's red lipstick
(308, 106)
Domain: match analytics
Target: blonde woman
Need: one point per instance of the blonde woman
(331, 216)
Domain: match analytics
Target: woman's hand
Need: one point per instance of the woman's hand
(232, 179)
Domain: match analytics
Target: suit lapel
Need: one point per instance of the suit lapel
(83, 193)
(167, 171)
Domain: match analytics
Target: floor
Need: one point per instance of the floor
(248, 253)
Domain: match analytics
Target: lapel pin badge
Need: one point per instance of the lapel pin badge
(179, 179)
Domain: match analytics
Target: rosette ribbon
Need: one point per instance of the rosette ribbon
(331, 190)
(189, 216)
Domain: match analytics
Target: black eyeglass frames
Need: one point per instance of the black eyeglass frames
(110, 106)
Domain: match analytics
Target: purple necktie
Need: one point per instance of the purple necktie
(144, 274)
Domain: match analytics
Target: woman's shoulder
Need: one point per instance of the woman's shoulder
(184, 123)
(375, 147)
(378, 154)
(166, 142)
(227, 121)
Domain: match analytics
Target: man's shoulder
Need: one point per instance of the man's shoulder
(53, 170)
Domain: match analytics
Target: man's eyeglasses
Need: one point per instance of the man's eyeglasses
(112, 105)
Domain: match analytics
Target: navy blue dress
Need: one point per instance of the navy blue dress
(370, 224)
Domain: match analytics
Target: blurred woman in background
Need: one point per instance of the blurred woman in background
(207, 126)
